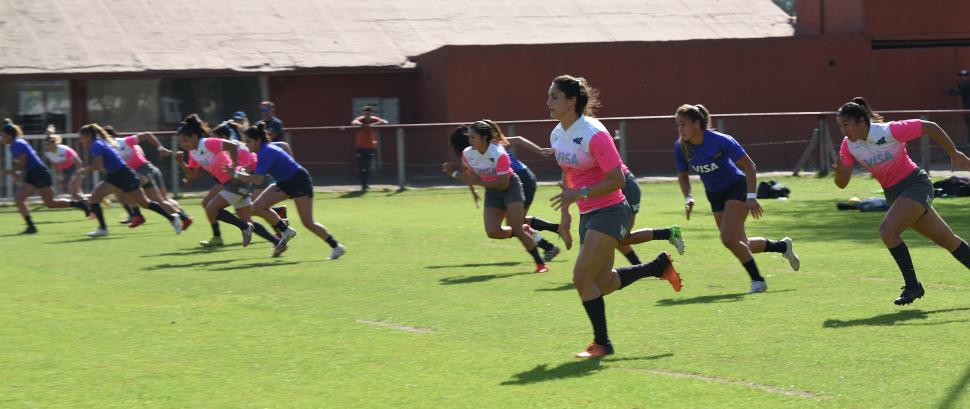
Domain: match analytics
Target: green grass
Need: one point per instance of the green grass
(143, 318)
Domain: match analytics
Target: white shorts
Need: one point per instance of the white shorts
(237, 201)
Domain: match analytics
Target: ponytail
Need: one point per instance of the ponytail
(95, 131)
(193, 125)
(258, 132)
(499, 136)
(11, 129)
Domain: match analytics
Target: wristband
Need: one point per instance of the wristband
(454, 174)
(585, 192)
(752, 196)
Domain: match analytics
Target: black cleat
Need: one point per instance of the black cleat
(910, 294)
(30, 230)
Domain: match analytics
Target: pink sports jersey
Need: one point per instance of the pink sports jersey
(63, 158)
(130, 152)
(490, 165)
(883, 152)
(210, 156)
(586, 152)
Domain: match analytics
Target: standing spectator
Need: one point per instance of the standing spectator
(242, 121)
(274, 126)
(962, 90)
(366, 143)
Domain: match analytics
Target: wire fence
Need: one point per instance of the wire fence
(412, 154)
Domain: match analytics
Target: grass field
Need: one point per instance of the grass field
(425, 311)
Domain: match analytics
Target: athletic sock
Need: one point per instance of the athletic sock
(30, 221)
(540, 224)
(655, 268)
(262, 232)
(96, 209)
(535, 255)
(216, 232)
(231, 219)
(661, 234)
(776, 246)
(596, 311)
(157, 208)
(129, 209)
(184, 215)
(281, 226)
(632, 257)
(905, 263)
(962, 254)
(545, 245)
(331, 241)
(752, 269)
(77, 204)
(135, 211)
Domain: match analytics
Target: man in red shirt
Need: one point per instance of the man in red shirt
(366, 143)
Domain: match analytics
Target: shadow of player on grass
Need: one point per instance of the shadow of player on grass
(895, 318)
(574, 369)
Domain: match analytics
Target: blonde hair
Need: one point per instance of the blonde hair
(97, 132)
(52, 135)
(12, 129)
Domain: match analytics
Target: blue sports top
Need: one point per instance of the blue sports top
(21, 147)
(714, 159)
(109, 156)
(273, 160)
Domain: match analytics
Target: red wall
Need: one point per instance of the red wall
(907, 18)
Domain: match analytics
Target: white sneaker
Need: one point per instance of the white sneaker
(337, 252)
(758, 287)
(99, 232)
(247, 234)
(287, 234)
(177, 223)
(790, 254)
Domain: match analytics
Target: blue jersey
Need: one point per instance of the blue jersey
(21, 147)
(714, 160)
(276, 162)
(109, 157)
(515, 163)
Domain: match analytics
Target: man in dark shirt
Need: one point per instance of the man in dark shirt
(274, 126)
(963, 90)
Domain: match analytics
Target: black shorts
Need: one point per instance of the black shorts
(613, 221)
(151, 176)
(300, 184)
(737, 191)
(39, 177)
(502, 198)
(528, 180)
(917, 186)
(632, 192)
(124, 179)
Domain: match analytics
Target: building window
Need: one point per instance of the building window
(36, 104)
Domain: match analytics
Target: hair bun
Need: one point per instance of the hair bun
(860, 101)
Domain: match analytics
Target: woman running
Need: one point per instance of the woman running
(152, 181)
(729, 178)
(216, 155)
(120, 179)
(65, 160)
(292, 182)
(36, 177)
(486, 163)
(593, 178)
(459, 142)
(881, 148)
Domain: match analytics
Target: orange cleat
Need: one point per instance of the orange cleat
(595, 350)
(671, 275)
(136, 221)
(541, 268)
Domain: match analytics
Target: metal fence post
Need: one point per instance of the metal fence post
(823, 163)
(175, 167)
(510, 131)
(401, 178)
(621, 134)
(924, 149)
(720, 125)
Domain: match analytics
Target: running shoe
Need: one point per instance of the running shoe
(177, 223)
(136, 221)
(215, 241)
(677, 239)
(910, 294)
(671, 275)
(29, 230)
(548, 255)
(337, 252)
(541, 268)
(247, 234)
(278, 250)
(99, 232)
(186, 222)
(595, 350)
(790, 254)
(285, 236)
(758, 287)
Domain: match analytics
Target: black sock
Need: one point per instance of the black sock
(216, 232)
(281, 226)
(545, 245)
(129, 209)
(78, 204)
(232, 219)
(331, 241)
(30, 222)
(753, 270)
(596, 311)
(905, 263)
(962, 254)
(262, 232)
(535, 255)
(184, 215)
(776, 246)
(540, 224)
(661, 234)
(655, 268)
(157, 208)
(96, 209)
(135, 211)
(632, 257)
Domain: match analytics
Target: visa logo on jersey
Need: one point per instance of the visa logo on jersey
(567, 158)
(710, 167)
(878, 159)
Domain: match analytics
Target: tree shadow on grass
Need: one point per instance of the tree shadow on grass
(895, 318)
(564, 287)
(575, 369)
(478, 278)
(956, 391)
(255, 265)
(712, 299)
(496, 264)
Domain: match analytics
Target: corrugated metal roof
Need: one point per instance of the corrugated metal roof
(101, 36)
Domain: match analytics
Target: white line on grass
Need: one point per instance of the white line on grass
(717, 379)
(398, 327)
